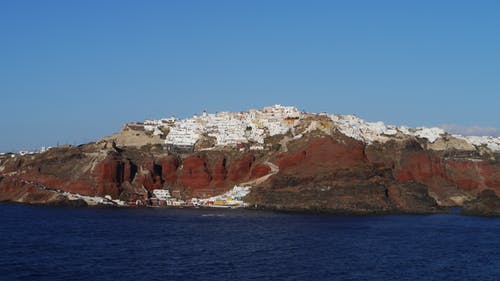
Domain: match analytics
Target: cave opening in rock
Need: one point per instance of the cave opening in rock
(133, 172)
(157, 171)
(119, 172)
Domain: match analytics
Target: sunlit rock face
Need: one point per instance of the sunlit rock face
(292, 159)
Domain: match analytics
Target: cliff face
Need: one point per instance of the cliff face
(335, 174)
(100, 169)
(451, 176)
(13, 190)
(317, 172)
(327, 167)
(487, 203)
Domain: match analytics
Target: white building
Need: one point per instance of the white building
(162, 194)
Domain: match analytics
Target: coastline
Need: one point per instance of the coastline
(309, 211)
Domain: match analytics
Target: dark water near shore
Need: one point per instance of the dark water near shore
(45, 243)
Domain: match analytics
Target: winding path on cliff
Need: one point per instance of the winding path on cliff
(70, 195)
(274, 170)
(33, 183)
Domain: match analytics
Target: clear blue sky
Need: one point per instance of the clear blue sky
(73, 71)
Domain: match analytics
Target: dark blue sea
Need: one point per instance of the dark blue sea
(49, 243)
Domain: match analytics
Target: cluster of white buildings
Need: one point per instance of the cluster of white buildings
(162, 197)
(231, 199)
(370, 132)
(490, 142)
(228, 128)
(27, 152)
(253, 126)
(359, 129)
(95, 200)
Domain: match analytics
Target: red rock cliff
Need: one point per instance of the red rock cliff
(316, 170)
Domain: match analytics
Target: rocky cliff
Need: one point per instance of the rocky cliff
(297, 161)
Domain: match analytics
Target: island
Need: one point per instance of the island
(276, 158)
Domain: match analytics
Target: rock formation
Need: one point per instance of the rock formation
(487, 203)
(293, 160)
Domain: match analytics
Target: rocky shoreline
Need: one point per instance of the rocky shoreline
(487, 204)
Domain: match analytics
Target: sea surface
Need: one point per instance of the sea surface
(50, 243)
